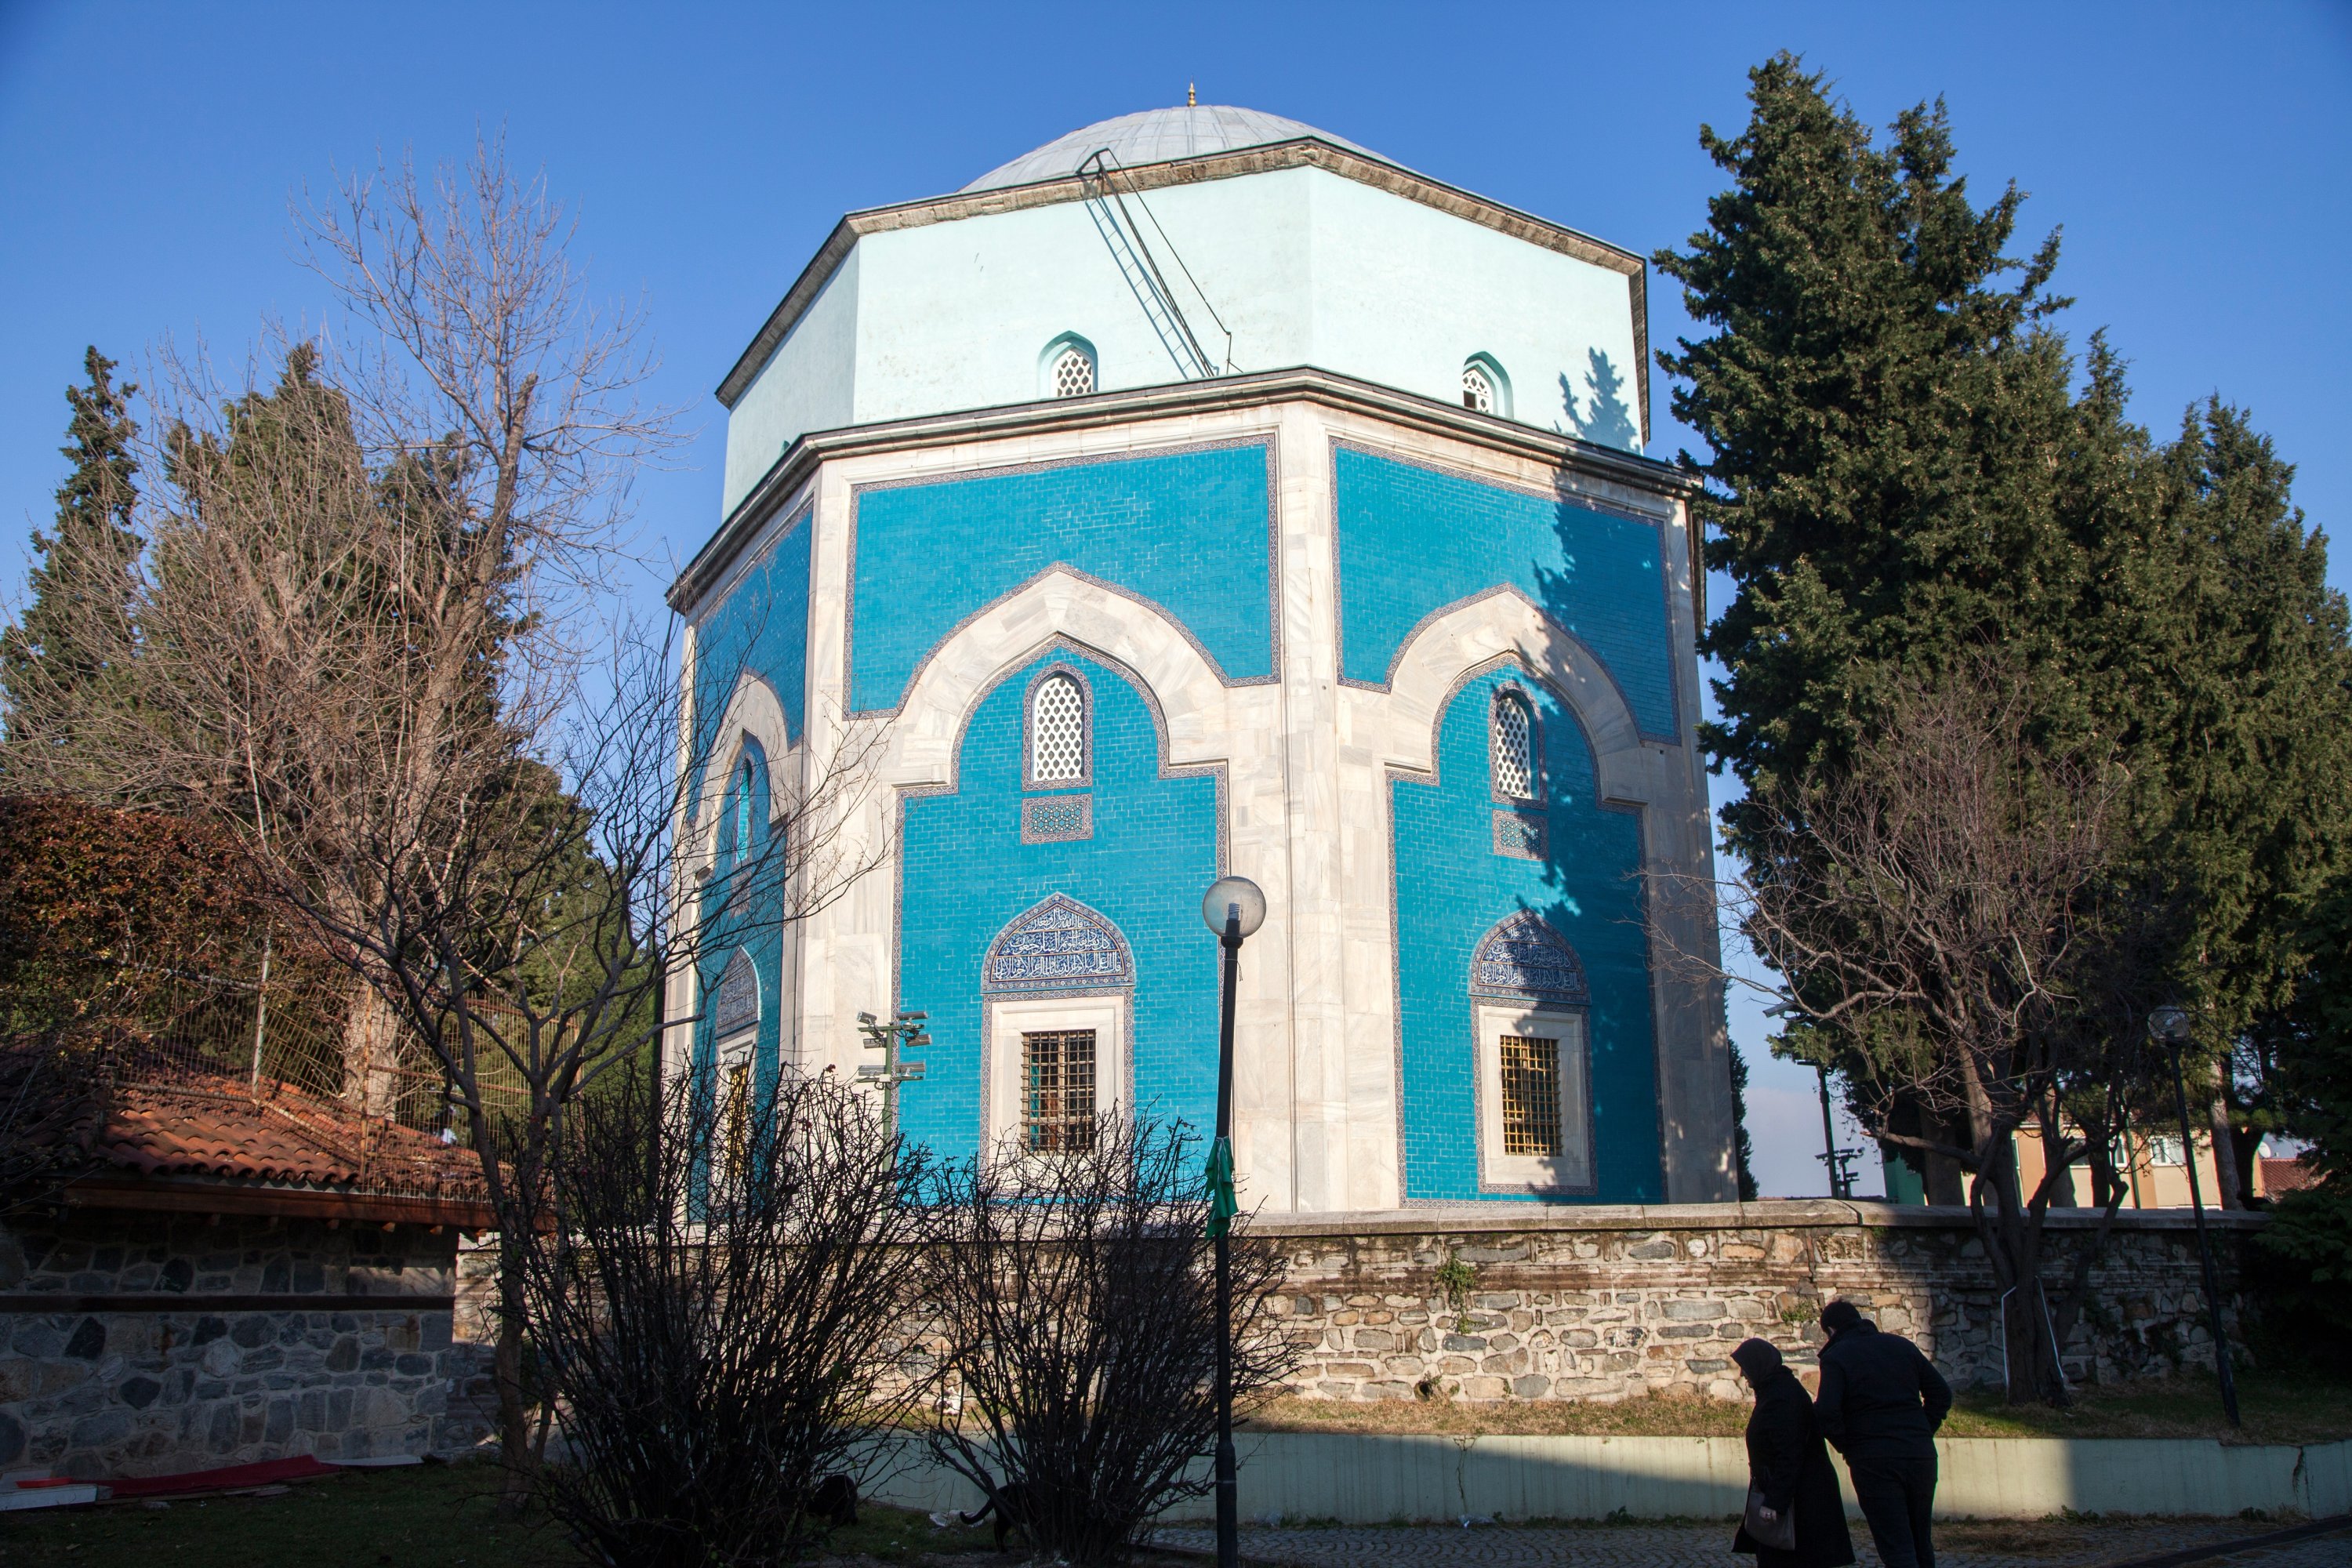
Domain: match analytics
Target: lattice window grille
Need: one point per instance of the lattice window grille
(1477, 389)
(1057, 732)
(735, 1118)
(1520, 835)
(1057, 1083)
(1515, 770)
(1057, 818)
(1530, 1095)
(1074, 373)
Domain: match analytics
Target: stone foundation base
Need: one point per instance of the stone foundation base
(177, 1343)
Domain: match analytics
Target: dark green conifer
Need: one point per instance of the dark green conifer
(1903, 476)
(1880, 411)
(75, 626)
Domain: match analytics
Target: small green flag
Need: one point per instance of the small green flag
(1221, 1204)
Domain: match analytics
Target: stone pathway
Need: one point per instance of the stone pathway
(2020, 1545)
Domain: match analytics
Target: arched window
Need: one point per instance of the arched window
(742, 822)
(1514, 751)
(1477, 388)
(1073, 371)
(1057, 732)
(747, 789)
(1485, 387)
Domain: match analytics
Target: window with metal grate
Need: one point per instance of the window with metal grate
(1530, 1095)
(1057, 732)
(1058, 1089)
(1074, 373)
(1477, 388)
(1514, 753)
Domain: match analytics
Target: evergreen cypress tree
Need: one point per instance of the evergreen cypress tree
(2237, 710)
(60, 650)
(1901, 476)
(1880, 413)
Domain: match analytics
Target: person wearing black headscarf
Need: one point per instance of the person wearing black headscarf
(1788, 1466)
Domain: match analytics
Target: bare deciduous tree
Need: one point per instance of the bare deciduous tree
(1077, 1306)
(353, 639)
(1945, 912)
(724, 1306)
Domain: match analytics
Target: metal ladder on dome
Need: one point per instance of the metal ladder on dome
(1131, 251)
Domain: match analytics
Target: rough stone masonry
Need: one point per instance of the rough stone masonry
(139, 1343)
(1606, 1303)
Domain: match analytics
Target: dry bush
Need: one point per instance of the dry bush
(1076, 1301)
(721, 1304)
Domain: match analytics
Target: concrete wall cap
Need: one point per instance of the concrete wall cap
(1767, 1213)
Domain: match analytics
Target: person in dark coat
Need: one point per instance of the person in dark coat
(1787, 1463)
(1880, 1402)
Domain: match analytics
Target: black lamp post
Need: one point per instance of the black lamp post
(1233, 909)
(2171, 1025)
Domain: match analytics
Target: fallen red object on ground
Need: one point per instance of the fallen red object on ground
(268, 1472)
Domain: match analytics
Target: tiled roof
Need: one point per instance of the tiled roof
(2287, 1175)
(206, 1126)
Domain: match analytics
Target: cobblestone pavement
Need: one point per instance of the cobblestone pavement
(2023, 1544)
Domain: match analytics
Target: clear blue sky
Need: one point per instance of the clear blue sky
(2198, 157)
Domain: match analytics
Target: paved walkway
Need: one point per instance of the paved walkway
(2023, 1544)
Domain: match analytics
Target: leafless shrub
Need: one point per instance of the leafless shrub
(1076, 1301)
(723, 1302)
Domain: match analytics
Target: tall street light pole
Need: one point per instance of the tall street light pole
(1233, 909)
(1835, 1158)
(2170, 1024)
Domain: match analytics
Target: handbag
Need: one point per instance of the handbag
(1781, 1533)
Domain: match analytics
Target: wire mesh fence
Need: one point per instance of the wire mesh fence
(288, 1076)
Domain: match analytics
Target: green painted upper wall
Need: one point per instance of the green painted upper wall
(1304, 266)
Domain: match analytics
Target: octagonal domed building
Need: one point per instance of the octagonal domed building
(1202, 493)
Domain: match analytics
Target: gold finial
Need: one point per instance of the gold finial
(1191, 98)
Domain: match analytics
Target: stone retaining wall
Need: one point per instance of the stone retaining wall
(1604, 1303)
(181, 1343)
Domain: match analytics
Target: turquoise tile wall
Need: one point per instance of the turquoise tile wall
(744, 917)
(762, 628)
(967, 874)
(1412, 540)
(1451, 887)
(1187, 531)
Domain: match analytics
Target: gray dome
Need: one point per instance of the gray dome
(1155, 136)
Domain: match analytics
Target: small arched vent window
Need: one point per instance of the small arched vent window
(1515, 748)
(1477, 388)
(1057, 732)
(1074, 373)
(747, 813)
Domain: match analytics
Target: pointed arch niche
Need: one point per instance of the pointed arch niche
(1058, 991)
